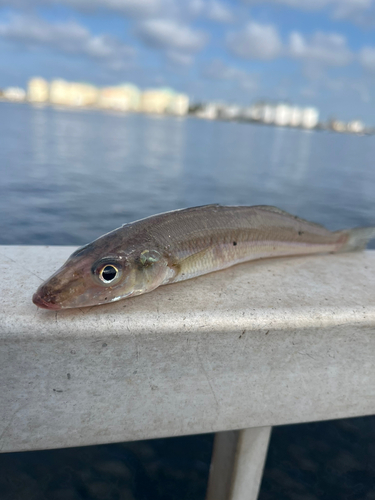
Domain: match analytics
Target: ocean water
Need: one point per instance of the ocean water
(69, 176)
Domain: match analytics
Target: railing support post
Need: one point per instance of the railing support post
(237, 464)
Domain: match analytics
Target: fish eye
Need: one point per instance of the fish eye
(108, 273)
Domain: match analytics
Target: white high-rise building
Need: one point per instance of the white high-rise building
(15, 94)
(282, 115)
(268, 114)
(295, 116)
(310, 117)
(37, 90)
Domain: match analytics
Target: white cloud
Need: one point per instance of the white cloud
(339, 8)
(343, 5)
(171, 34)
(355, 10)
(128, 7)
(349, 8)
(324, 49)
(359, 12)
(196, 7)
(67, 37)
(256, 41)
(132, 8)
(15, 3)
(317, 53)
(367, 58)
(304, 4)
(217, 11)
(214, 10)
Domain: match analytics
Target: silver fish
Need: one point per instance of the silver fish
(174, 246)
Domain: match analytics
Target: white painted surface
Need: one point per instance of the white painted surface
(249, 463)
(259, 344)
(222, 465)
(237, 464)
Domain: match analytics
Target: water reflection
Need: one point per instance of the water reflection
(68, 177)
(303, 154)
(289, 166)
(164, 143)
(39, 138)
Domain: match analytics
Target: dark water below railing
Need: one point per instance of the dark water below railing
(68, 177)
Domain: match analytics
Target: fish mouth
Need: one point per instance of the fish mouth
(43, 304)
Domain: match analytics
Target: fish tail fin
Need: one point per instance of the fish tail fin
(356, 238)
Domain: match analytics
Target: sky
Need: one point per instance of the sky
(306, 52)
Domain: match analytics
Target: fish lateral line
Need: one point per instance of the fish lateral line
(178, 245)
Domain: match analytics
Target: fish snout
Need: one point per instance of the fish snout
(44, 300)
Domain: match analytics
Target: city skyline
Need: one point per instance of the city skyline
(127, 97)
(319, 53)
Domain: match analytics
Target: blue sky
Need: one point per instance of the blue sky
(309, 52)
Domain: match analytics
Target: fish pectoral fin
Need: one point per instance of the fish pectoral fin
(195, 264)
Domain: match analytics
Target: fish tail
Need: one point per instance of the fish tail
(356, 238)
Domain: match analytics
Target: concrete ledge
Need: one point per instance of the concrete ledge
(261, 344)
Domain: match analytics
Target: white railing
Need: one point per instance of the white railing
(257, 345)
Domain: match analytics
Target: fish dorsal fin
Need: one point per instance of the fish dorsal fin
(270, 208)
(199, 207)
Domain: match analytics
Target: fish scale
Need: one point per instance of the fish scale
(166, 248)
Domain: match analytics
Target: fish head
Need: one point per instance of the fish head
(92, 276)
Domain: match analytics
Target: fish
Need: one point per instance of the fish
(174, 246)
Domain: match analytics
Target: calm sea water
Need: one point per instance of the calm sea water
(68, 177)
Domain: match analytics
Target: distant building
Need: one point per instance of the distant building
(338, 126)
(164, 100)
(229, 111)
(122, 97)
(179, 105)
(261, 111)
(279, 114)
(310, 118)
(282, 115)
(356, 127)
(268, 113)
(295, 116)
(247, 113)
(156, 100)
(37, 90)
(73, 94)
(208, 111)
(255, 112)
(59, 91)
(15, 94)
